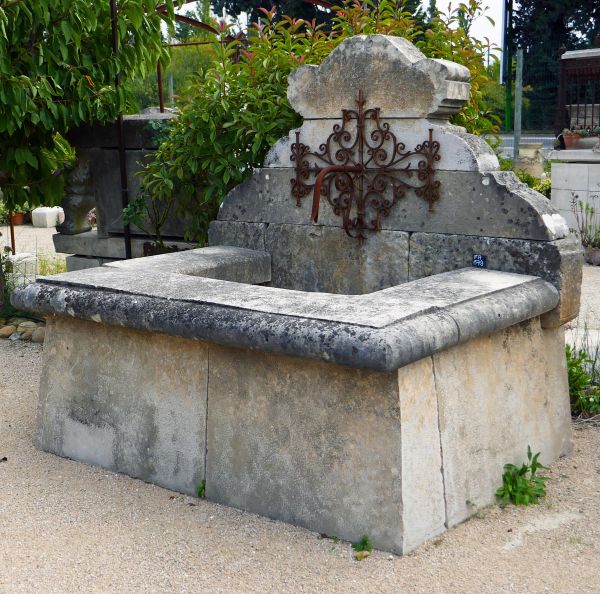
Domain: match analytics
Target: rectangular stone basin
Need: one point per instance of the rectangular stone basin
(389, 414)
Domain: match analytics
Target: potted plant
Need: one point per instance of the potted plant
(571, 138)
(18, 215)
(588, 229)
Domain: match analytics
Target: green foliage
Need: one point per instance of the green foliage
(240, 108)
(523, 486)
(526, 178)
(57, 70)
(363, 544)
(584, 384)
(587, 220)
(48, 264)
(293, 8)
(201, 490)
(185, 32)
(448, 38)
(6, 288)
(3, 213)
(543, 186)
(184, 63)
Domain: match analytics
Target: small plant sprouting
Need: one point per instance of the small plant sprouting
(362, 548)
(201, 490)
(584, 391)
(523, 486)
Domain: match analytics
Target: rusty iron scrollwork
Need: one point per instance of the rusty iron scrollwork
(363, 171)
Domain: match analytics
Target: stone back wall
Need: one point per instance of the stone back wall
(490, 214)
(481, 211)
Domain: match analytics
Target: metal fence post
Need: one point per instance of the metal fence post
(518, 102)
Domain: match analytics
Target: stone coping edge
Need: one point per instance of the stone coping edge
(379, 349)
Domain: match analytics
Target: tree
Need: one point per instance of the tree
(541, 29)
(57, 71)
(294, 8)
(299, 9)
(432, 10)
(185, 31)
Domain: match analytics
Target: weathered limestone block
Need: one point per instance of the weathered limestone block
(75, 263)
(459, 151)
(107, 187)
(391, 71)
(138, 132)
(558, 262)
(297, 442)
(92, 244)
(131, 402)
(494, 204)
(238, 234)
(325, 259)
(277, 427)
(233, 264)
(497, 395)
(423, 491)
(383, 331)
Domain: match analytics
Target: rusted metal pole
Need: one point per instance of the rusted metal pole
(120, 133)
(2, 289)
(314, 213)
(159, 79)
(13, 245)
(518, 104)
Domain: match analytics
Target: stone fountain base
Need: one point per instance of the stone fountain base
(399, 456)
(389, 414)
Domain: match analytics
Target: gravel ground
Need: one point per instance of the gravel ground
(29, 239)
(590, 298)
(68, 527)
(585, 331)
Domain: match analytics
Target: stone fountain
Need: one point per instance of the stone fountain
(374, 331)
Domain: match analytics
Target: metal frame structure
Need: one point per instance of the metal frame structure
(119, 122)
(579, 89)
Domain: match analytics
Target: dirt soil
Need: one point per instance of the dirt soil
(68, 527)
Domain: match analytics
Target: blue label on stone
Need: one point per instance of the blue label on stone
(479, 261)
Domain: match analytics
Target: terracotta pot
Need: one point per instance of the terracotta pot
(17, 218)
(592, 255)
(571, 140)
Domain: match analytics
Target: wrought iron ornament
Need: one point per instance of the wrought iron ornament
(363, 170)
